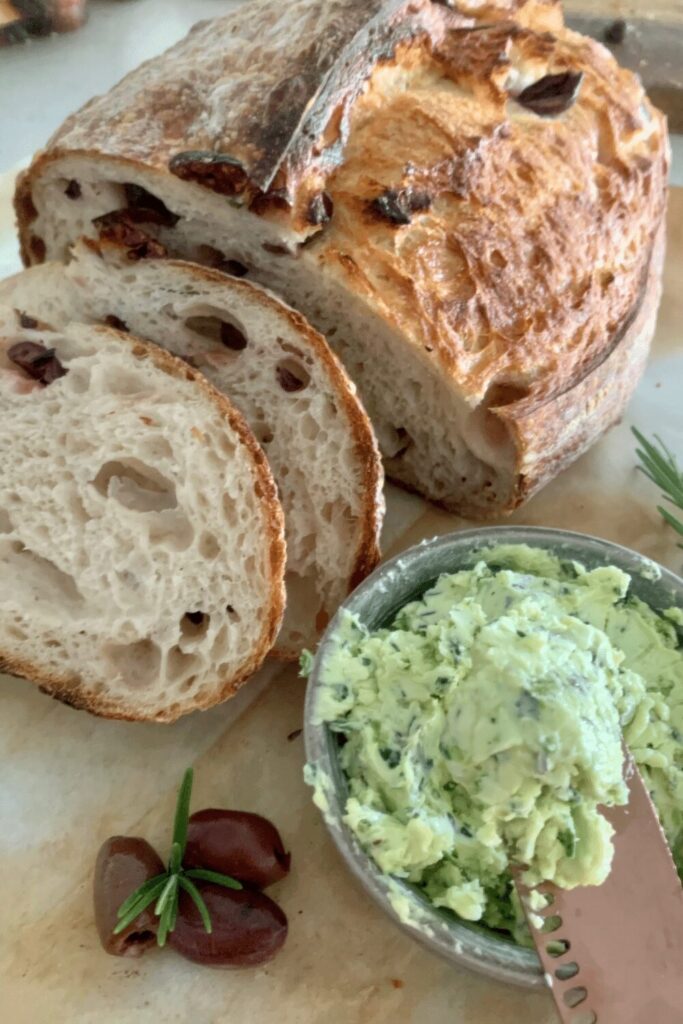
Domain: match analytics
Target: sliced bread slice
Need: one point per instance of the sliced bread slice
(141, 539)
(282, 376)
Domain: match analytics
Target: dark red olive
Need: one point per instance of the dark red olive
(248, 928)
(123, 864)
(237, 843)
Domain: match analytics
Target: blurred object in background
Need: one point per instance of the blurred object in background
(651, 48)
(20, 19)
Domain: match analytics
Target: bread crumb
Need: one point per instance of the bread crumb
(396, 982)
(199, 434)
(146, 420)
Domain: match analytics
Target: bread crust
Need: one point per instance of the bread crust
(592, 403)
(73, 690)
(263, 94)
(567, 424)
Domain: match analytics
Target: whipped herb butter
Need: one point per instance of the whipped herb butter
(483, 727)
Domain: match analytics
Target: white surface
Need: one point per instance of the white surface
(43, 80)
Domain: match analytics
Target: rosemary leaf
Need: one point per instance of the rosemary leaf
(174, 913)
(192, 891)
(182, 812)
(671, 520)
(660, 466)
(166, 895)
(164, 924)
(141, 891)
(174, 861)
(213, 876)
(136, 908)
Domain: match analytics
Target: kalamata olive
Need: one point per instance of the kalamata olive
(248, 928)
(123, 864)
(237, 843)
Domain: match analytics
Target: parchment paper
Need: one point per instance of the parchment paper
(69, 780)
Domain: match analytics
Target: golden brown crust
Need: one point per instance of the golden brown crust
(257, 101)
(73, 690)
(533, 247)
(522, 242)
(591, 405)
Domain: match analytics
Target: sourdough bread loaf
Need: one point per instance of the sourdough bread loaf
(141, 539)
(279, 373)
(466, 198)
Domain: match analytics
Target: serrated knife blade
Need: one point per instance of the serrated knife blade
(615, 951)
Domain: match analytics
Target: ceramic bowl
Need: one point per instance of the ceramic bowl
(375, 602)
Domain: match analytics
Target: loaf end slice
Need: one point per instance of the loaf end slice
(141, 539)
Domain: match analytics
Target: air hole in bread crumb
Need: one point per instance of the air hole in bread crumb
(397, 442)
(291, 375)
(37, 247)
(275, 250)
(76, 507)
(29, 579)
(308, 427)
(498, 259)
(230, 510)
(180, 665)
(219, 261)
(111, 320)
(194, 624)
(171, 529)
(136, 486)
(220, 330)
(138, 663)
(208, 546)
(293, 350)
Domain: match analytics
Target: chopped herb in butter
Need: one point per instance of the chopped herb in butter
(483, 727)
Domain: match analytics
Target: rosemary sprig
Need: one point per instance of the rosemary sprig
(659, 464)
(164, 889)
